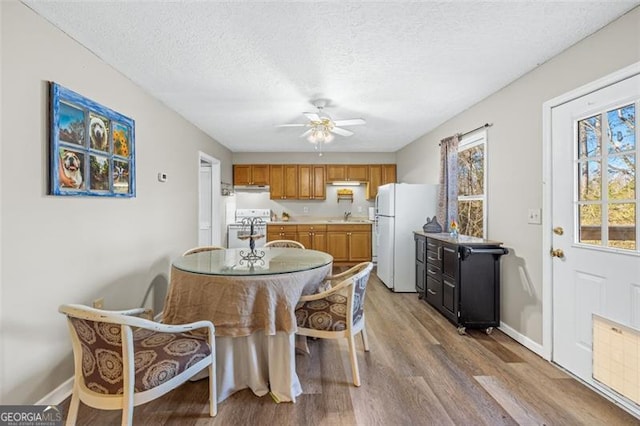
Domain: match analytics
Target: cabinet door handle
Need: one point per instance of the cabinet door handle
(432, 258)
(431, 272)
(431, 291)
(440, 253)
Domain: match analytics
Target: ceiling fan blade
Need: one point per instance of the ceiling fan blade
(307, 133)
(350, 122)
(313, 116)
(291, 125)
(342, 132)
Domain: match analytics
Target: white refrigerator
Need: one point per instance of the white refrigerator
(401, 208)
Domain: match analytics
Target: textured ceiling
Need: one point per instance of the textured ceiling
(236, 69)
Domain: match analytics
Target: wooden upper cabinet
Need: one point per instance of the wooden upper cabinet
(375, 180)
(347, 172)
(319, 183)
(283, 182)
(388, 174)
(251, 174)
(379, 174)
(311, 182)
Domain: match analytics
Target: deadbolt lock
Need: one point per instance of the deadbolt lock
(558, 230)
(559, 253)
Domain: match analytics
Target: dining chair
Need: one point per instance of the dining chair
(338, 312)
(285, 244)
(122, 360)
(201, 249)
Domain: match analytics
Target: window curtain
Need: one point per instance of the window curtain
(448, 196)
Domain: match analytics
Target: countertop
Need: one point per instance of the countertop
(461, 239)
(312, 221)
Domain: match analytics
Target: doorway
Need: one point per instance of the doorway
(591, 259)
(209, 201)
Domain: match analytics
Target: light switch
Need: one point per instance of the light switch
(534, 217)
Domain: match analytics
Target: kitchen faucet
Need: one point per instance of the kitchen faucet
(346, 216)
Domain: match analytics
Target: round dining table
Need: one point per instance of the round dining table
(250, 297)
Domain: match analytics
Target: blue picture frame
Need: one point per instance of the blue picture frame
(92, 147)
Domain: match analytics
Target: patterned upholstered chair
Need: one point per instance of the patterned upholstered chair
(338, 313)
(201, 249)
(285, 244)
(122, 360)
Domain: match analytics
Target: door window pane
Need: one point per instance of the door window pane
(589, 137)
(471, 171)
(622, 225)
(621, 132)
(622, 177)
(590, 220)
(589, 180)
(470, 217)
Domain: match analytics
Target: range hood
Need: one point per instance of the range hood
(251, 188)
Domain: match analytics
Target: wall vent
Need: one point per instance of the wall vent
(616, 357)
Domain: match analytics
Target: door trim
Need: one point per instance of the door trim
(547, 272)
(216, 210)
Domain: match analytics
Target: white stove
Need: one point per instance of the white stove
(242, 227)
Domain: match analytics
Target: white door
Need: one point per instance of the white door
(595, 203)
(384, 269)
(205, 206)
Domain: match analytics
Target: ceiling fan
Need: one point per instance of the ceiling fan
(321, 126)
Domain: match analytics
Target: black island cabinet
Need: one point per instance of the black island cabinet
(460, 277)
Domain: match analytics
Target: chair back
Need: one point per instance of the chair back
(201, 249)
(360, 280)
(285, 244)
(100, 348)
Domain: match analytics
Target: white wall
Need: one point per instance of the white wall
(312, 158)
(515, 158)
(57, 250)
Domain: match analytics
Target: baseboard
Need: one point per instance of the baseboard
(59, 394)
(523, 340)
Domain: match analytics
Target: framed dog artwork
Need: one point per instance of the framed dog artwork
(92, 147)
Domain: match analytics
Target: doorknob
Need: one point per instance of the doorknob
(558, 230)
(557, 253)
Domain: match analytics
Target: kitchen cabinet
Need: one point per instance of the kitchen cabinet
(421, 260)
(379, 174)
(347, 172)
(461, 278)
(349, 243)
(283, 182)
(311, 182)
(313, 236)
(282, 232)
(251, 174)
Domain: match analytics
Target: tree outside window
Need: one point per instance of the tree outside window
(471, 185)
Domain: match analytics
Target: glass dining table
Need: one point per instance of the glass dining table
(250, 297)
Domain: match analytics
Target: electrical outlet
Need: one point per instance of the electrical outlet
(534, 217)
(305, 209)
(98, 303)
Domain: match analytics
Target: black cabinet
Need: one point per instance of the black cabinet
(462, 277)
(421, 252)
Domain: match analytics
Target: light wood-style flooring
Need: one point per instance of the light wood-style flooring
(419, 372)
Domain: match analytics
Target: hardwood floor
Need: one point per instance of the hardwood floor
(419, 372)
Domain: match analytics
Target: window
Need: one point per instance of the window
(472, 177)
(606, 178)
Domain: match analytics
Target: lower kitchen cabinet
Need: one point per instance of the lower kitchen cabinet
(460, 278)
(349, 243)
(313, 236)
(282, 232)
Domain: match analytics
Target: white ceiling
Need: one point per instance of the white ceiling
(236, 69)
